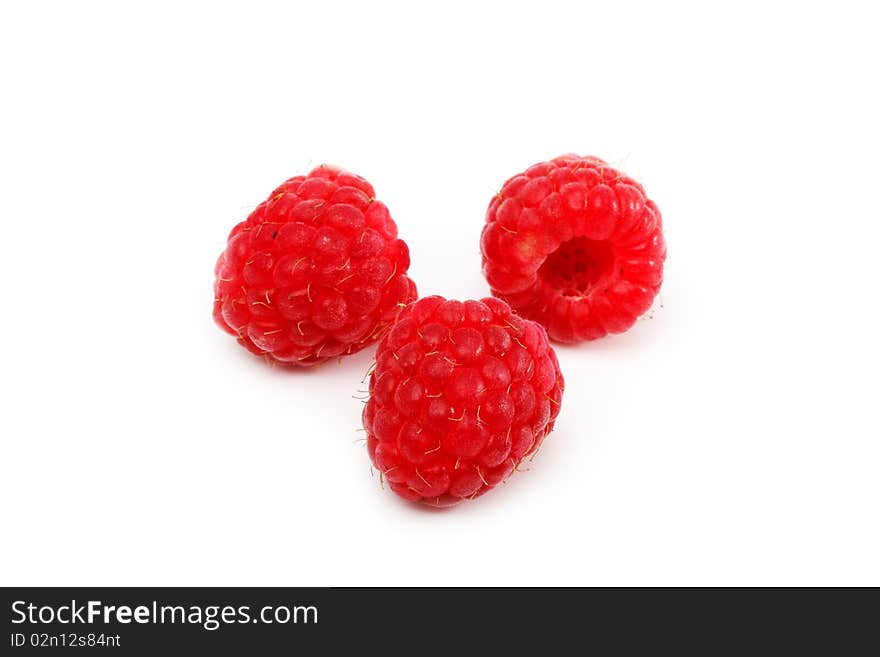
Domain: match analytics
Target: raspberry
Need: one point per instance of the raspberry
(315, 271)
(575, 245)
(460, 395)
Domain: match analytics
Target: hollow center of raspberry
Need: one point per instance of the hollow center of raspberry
(578, 266)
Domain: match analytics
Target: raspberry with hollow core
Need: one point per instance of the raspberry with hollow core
(575, 245)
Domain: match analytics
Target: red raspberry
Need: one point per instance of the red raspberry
(460, 395)
(315, 271)
(575, 245)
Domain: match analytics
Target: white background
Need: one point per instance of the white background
(730, 439)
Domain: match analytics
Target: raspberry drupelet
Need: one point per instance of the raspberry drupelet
(461, 393)
(315, 271)
(576, 246)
